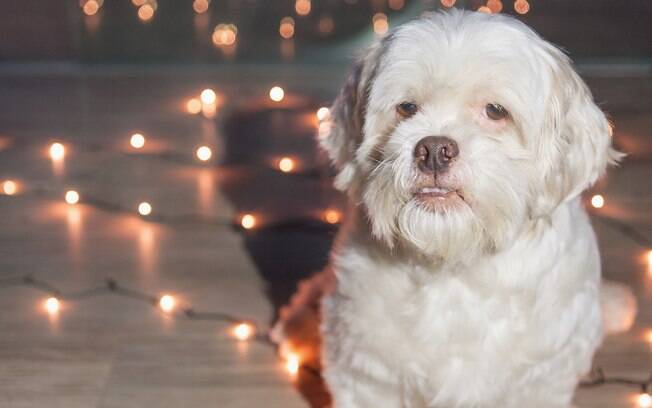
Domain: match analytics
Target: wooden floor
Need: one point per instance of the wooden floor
(110, 351)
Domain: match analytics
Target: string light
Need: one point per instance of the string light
(72, 197)
(597, 201)
(484, 9)
(644, 400)
(167, 303)
(649, 258)
(208, 96)
(286, 29)
(276, 94)
(144, 208)
(521, 6)
(137, 141)
(380, 23)
(332, 216)
(200, 6)
(57, 151)
(91, 7)
(448, 3)
(9, 187)
(138, 3)
(286, 164)
(396, 4)
(204, 153)
(145, 12)
(243, 331)
(322, 113)
(496, 6)
(52, 305)
(302, 7)
(248, 221)
(225, 35)
(193, 106)
(292, 363)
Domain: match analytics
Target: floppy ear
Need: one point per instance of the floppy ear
(575, 147)
(346, 122)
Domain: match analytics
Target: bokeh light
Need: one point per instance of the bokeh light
(521, 6)
(225, 35)
(243, 331)
(145, 12)
(57, 151)
(200, 6)
(144, 208)
(396, 4)
(322, 113)
(9, 187)
(597, 201)
(52, 305)
(292, 363)
(248, 221)
(204, 153)
(644, 400)
(276, 94)
(167, 303)
(208, 96)
(448, 3)
(286, 28)
(286, 164)
(137, 140)
(332, 216)
(380, 23)
(72, 197)
(193, 106)
(302, 7)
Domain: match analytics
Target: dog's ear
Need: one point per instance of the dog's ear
(576, 145)
(344, 129)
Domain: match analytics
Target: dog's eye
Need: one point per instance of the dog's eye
(495, 111)
(406, 109)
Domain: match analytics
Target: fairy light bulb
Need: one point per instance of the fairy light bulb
(52, 305)
(396, 4)
(57, 151)
(9, 187)
(286, 164)
(484, 9)
(144, 208)
(644, 400)
(521, 6)
(302, 7)
(448, 3)
(193, 106)
(292, 363)
(167, 303)
(248, 221)
(200, 6)
(380, 23)
(649, 258)
(204, 153)
(496, 6)
(137, 141)
(225, 35)
(243, 331)
(322, 113)
(597, 201)
(332, 216)
(208, 96)
(145, 12)
(91, 7)
(72, 197)
(276, 94)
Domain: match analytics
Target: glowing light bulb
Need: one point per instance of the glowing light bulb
(648, 336)
(597, 201)
(302, 7)
(72, 197)
(9, 187)
(644, 400)
(396, 4)
(649, 258)
(144, 208)
(243, 331)
(200, 6)
(193, 106)
(380, 23)
(57, 151)
(292, 363)
(322, 113)
(448, 3)
(225, 34)
(137, 141)
(521, 6)
(496, 6)
(52, 305)
(208, 96)
(276, 94)
(332, 216)
(248, 221)
(145, 12)
(286, 164)
(484, 9)
(91, 7)
(204, 153)
(167, 303)
(286, 29)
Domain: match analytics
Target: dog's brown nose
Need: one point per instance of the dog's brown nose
(435, 153)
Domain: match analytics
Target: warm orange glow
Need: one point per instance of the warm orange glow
(332, 216)
(521, 6)
(138, 3)
(248, 221)
(286, 164)
(72, 197)
(380, 23)
(137, 140)
(144, 208)
(286, 29)
(644, 400)
(649, 259)
(448, 3)
(204, 153)
(225, 34)
(145, 12)
(57, 151)
(208, 96)
(276, 94)
(243, 331)
(396, 4)
(322, 113)
(496, 6)
(597, 201)
(193, 106)
(484, 9)
(326, 25)
(167, 303)
(200, 6)
(91, 7)
(302, 7)
(292, 363)
(52, 305)
(9, 187)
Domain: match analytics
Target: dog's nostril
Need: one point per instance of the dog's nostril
(434, 153)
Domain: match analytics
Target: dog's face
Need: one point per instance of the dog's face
(458, 128)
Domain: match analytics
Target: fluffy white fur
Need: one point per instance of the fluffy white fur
(493, 301)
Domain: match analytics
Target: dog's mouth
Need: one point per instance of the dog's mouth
(436, 196)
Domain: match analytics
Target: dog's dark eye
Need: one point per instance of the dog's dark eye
(495, 111)
(407, 109)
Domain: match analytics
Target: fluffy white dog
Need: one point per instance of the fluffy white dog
(468, 273)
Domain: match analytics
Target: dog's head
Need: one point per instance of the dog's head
(458, 128)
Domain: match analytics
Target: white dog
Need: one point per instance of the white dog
(468, 273)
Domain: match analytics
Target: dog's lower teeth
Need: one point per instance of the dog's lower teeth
(430, 190)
